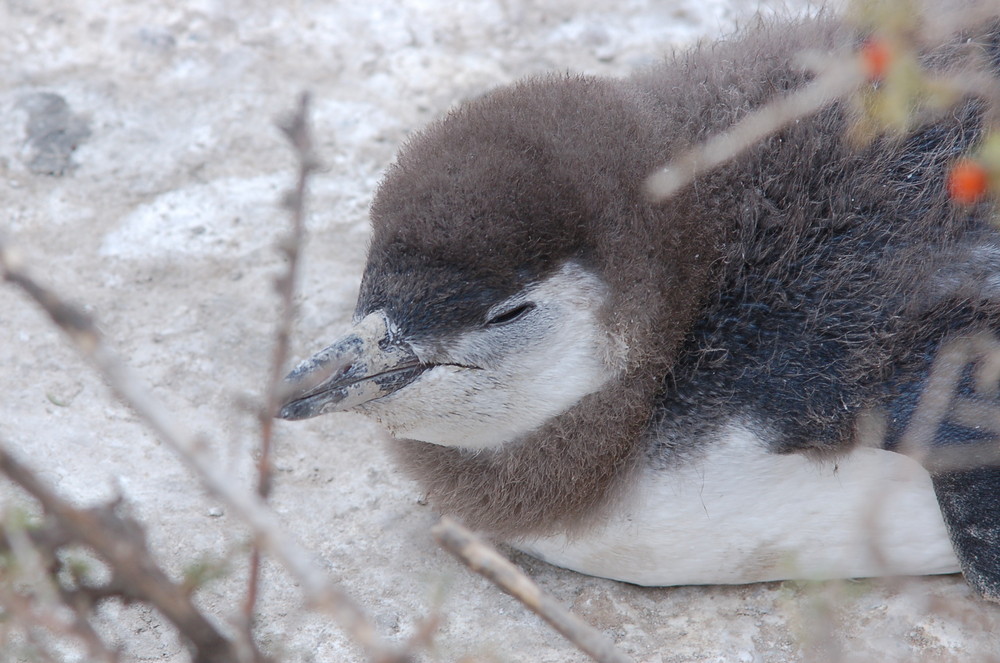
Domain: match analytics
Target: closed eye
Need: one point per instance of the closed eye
(511, 315)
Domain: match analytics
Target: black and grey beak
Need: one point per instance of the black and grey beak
(364, 365)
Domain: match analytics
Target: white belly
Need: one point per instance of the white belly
(740, 514)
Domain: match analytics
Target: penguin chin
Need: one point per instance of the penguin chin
(497, 383)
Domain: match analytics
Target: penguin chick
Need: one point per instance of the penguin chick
(678, 392)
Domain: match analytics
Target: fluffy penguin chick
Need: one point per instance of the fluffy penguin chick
(717, 388)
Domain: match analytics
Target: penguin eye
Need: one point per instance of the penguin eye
(511, 315)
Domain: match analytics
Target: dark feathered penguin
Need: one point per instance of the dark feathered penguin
(709, 389)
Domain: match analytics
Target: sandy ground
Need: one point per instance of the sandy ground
(164, 221)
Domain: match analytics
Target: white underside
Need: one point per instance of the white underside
(740, 514)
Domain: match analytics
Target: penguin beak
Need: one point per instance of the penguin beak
(365, 365)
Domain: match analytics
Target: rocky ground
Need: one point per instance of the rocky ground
(164, 220)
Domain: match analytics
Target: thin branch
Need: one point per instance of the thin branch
(296, 128)
(933, 404)
(942, 401)
(20, 607)
(121, 542)
(836, 81)
(33, 559)
(320, 594)
(484, 560)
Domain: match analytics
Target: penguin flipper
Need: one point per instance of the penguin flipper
(970, 504)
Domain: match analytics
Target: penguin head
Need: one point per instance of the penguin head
(496, 368)
(495, 296)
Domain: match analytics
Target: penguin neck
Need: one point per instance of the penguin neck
(556, 478)
(570, 470)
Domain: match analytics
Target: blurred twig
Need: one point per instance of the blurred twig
(837, 80)
(486, 561)
(844, 75)
(296, 129)
(32, 595)
(941, 400)
(121, 541)
(320, 593)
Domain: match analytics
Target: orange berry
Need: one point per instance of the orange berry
(967, 181)
(875, 58)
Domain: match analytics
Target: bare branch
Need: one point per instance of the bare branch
(268, 532)
(34, 557)
(122, 543)
(836, 81)
(19, 607)
(484, 560)
(940, 400)
(296, 128)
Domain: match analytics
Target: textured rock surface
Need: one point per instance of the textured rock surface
(160, 213)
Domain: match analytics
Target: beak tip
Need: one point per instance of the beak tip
(365, 365)
(293, 411)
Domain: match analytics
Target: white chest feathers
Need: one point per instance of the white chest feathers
(495, 383)
(740, 514)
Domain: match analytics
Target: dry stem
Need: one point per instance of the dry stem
(296, 128)
(835, 82)
(940, 400)
(484, 560)
(320, 594)
(122, 543)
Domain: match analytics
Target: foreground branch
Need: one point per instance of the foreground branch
(121, 542)
(486, 561)
(835, 82)
(32, 595)
(320, 594)
(942, 400)
(296, 129)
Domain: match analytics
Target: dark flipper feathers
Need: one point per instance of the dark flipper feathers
(968, 500)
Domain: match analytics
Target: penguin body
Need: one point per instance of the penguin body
(739, 514)
(685, 391)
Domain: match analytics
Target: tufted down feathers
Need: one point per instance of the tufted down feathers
(797, 289)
